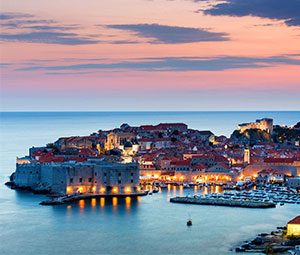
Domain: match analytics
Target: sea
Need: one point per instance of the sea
(147, 225)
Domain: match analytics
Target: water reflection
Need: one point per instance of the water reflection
(93, 202)
(102, 202)
(128, 202)
(110, 206)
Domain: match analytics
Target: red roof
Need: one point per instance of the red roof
(181, 162)
(279, 160)
(171, 125)
(148, 127)
(296, 220)
(86, 151)
(48, 159)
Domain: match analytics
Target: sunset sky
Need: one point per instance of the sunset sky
(103, 55)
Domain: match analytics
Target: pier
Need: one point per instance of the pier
(72, 198)
(222, 202)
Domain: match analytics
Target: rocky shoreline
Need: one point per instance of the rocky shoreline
(270, 243)
(12, 185)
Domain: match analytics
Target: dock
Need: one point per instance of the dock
(72, 198)
(222, 202)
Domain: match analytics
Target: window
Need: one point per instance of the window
(80, 179)
(96, 174)
(104, 174)
(131, 174)
(119, 174)
(90, 179)
(119, 181)
(131, 181)
(71, 180)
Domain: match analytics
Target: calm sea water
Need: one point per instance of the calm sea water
(149, 225)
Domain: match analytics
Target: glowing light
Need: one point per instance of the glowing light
(127, 202)
(138, 188)
(69, 190)
(81, 204)
(115, 190)
(80, 190)
(102, 190)
(94, 189)
(127, 189)
(93, 202)
(114, 201)
(102, 202)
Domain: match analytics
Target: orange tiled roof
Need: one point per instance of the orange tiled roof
(296, 220)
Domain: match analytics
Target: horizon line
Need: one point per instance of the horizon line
(75, 111)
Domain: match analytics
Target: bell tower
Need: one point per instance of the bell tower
(246, 156)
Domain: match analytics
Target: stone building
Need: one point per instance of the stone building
(116, 139)
(93, 176)
(262, 124)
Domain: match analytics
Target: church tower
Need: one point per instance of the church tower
(246, 156)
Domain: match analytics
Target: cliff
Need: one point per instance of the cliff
(251, 136)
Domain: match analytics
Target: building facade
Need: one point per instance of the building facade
(93, 176)
(262, 124)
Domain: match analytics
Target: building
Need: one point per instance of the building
(115, 140)
(92, 176)
(247, 156)
(165, 127)
(262, 124)
(293, 227)
(287, 166)
(293, 182)
(206, 135)
(269, 176)
(154, 143)
(76, 142)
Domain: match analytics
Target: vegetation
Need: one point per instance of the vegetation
(251, 136)
(285, 134)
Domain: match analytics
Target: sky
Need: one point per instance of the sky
(149, 55)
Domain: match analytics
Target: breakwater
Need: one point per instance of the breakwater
(72, 198)
(222, 202)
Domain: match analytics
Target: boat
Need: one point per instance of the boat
(189, 222)
(150, 193)
(156, 190)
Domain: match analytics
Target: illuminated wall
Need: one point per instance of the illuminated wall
(293, 230)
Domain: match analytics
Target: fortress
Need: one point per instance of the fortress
(92, 177)
(262, 124)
